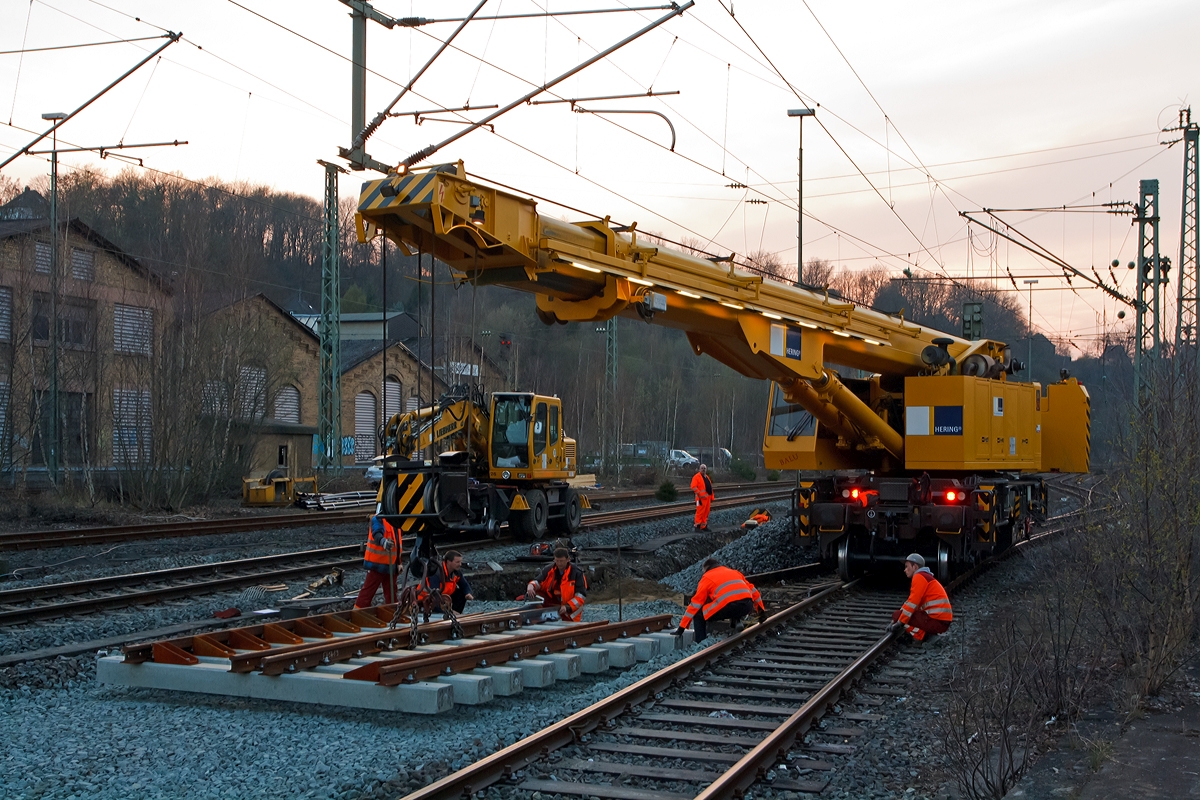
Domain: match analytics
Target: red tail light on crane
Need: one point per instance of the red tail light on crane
(951, 496)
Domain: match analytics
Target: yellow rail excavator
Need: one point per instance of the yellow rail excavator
(939, 450)
(501, 460)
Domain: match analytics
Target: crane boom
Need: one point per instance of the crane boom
(592, 270)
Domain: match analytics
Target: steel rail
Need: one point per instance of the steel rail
(504, 763)
(76, 537)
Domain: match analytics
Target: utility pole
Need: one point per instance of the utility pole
(53, 427)
(1029, 367)
(801, 113)
(328, 449)
(1148, 333)
(1186, 335)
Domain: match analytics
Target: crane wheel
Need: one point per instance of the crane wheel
(531, 524)
(389, 502)
(572, 515)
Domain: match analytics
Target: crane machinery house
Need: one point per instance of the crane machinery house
(939, 449)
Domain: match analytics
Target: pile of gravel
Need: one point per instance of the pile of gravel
(765, 548)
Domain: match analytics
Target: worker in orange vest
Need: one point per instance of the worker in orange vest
(447, 588)
(927, 609)
(562, 585)
(381, 561)
(723, 593)
(703, 489)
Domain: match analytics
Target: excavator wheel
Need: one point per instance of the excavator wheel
(389, 497)
(531, 524)
(572, 515)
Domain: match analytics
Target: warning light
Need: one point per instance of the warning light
(951, 496)
(854, 493)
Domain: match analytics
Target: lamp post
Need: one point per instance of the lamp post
(52, 453)
(1030, 282)
(801, 113)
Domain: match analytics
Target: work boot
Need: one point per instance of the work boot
(738, 625)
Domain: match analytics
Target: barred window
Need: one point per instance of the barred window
(83, 265)
(252, 392)
(287, 404)
(131, 426)
(214, 399)
(133, 328)
(6, 312)
(5, 393)
(41, 257)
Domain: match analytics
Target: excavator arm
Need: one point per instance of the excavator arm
(592, 271)
(451, 424)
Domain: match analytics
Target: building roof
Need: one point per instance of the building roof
(18, 218)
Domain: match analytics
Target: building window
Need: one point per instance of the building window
(133, 328)
(252, 393)
(4, 444)
(282, 462)
(75, 322)
(287, 404)
(214, 399)
(41, 257)
(364, 427)
(76, 428)
(392, 398)
(83, 265)
(131, 426)
(6, 311)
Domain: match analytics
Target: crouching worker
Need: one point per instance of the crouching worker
(927, 609)
(561, 585)
(447, 588)
(723, 593)
(382, 563)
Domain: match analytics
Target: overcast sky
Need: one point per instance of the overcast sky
(923, 111)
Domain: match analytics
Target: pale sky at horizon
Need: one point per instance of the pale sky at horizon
(1013, 105)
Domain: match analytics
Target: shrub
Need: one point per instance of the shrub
(667, 492)
(742, 470)
(773, 475)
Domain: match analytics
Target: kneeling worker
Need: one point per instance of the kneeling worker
(562, 585)
(447, 585)
(927, 609)
(381, 561)
(723, 593)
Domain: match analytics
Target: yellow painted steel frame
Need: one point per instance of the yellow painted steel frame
(591, 271)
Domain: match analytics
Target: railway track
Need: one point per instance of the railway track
(45, 601)
(714, 724)
(29, 540)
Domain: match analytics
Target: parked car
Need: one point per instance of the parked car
(682, 458)
(720, 458)
(374, 474)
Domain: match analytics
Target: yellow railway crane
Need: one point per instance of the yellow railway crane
(507, 460)
(938, 451)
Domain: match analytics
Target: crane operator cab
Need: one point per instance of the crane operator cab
(527, 441)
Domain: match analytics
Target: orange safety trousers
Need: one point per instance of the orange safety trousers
(703, 504)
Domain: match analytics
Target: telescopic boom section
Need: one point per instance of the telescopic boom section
(591, 271)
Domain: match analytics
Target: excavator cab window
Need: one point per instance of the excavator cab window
(510, 431)
(553, 425)
(541, 425)
(788, 419)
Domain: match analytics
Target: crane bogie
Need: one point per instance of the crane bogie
(930, 404)
(507, 461)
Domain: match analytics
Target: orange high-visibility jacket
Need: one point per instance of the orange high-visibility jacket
(927, 595)
(377, 558)
(566, 588)
(719, 587)
(701, 485)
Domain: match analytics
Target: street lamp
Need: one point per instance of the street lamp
(1030, 282)
(52, 429)
(802, 113)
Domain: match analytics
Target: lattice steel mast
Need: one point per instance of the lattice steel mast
(1186, 334)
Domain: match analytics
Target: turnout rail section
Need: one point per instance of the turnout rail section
(710, 723)
(359, 659)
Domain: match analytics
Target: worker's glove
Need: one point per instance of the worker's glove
(762, 616)
(896, 615)
(677, 632)
(895, 626)
(388, 544)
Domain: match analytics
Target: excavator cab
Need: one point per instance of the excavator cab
(527, 441)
